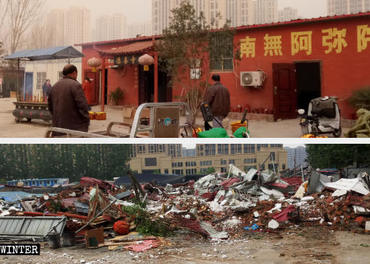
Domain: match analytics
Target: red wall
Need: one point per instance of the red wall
(340, 73)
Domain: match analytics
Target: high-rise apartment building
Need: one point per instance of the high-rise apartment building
(296, 157)
(266, 11)
(110, 27)
(216, 12)
(139, 29)
(77, 25)
(340, 7)
(288, 14)
(240, 12)
(69, 26)
(55, 26)
(168, 159)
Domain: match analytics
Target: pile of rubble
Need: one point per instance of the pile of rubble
(217, 206)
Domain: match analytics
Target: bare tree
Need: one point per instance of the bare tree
(4, 4)
(40, 36)
(22, 14)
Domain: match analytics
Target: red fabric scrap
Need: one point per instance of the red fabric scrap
(210, 196)
(280, 185)
(283, 215)
(229, 182)
(143, 245)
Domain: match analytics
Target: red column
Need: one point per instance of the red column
(155, 77)
(102, 84)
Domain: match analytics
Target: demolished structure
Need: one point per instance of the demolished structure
(217, 206)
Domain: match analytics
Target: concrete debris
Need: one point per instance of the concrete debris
(272, 193)
(273, 224)
(359, 210)
(213, 233)
(367, 226)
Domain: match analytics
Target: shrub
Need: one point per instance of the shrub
(116, 95)
(361, 98)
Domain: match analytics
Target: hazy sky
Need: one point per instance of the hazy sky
(140, 10)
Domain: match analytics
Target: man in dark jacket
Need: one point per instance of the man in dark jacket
(67, 102)
(218, 98)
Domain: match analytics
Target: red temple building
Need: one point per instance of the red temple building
(290, 63)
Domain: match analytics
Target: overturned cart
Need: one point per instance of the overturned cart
(164, 121)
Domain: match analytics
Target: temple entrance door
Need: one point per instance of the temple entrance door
(285, 91)
(164, 88)
(146, 85)
(308, 82)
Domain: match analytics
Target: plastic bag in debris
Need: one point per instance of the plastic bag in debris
(253, 227)
(240, 132)
(214, 133)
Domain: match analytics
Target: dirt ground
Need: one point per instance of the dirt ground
(296, 246)
(37, 128)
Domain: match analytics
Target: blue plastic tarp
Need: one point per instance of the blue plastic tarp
(16, 196)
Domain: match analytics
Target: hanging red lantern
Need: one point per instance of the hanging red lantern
(94, 63)
(146, 60)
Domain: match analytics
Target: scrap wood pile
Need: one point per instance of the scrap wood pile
(217, 206)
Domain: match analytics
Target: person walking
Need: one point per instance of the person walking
(67, 102)
(217, 97)
(86, 86)
(46, 87)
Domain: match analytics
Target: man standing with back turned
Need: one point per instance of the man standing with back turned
(218, 98)
(67, 102)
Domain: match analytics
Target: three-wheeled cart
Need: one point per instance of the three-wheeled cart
(166, 120)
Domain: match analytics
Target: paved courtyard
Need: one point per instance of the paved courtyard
(37, 128)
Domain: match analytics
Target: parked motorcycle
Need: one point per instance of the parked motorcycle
(322, 117)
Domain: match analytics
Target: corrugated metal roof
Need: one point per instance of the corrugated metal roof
(25, 227)
(65, 52)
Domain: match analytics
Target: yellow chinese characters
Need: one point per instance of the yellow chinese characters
(363, 37)
(273, 45)
(302, 41)
(334, 39)
(248, 47)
